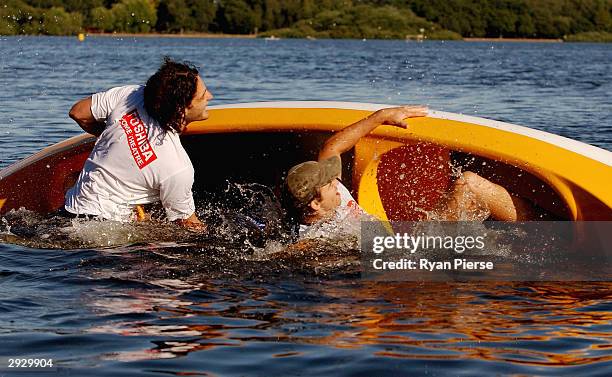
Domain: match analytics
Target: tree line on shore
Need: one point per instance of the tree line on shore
(384, 19)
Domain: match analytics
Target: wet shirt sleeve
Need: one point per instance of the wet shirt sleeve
(103, 103)
(176, 195)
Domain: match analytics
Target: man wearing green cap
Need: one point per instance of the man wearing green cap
(316, 194)
(313, 193)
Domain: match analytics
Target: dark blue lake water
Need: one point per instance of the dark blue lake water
(171, 309)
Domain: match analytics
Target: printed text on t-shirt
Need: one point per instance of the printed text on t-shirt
(137, 139)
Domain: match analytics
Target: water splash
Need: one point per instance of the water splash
(246, 238)
(242, 217)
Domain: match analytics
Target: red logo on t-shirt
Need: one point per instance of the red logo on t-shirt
(137, 139)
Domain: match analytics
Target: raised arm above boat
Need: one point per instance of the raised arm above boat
(346, 139)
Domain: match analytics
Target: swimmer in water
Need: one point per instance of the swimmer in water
(314, 194)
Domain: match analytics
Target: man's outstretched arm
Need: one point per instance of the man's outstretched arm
(81, 113)
(346, 139)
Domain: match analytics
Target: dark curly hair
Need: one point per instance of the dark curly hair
(169, 91)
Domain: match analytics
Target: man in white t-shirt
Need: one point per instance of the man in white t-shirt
(138, 157)
(316, 197)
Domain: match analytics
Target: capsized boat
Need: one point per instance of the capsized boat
(395, 174)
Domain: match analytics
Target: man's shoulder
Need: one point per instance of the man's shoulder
(130, 87)
(124, 91)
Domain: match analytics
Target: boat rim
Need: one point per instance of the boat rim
(592, 152)
(587, 150)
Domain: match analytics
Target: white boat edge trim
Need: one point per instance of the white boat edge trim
(587, 150)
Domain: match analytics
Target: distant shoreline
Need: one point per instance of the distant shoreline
(160, 35)
(251, 36)
(545, 40)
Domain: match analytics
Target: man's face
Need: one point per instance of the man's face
(328, 201)
(197, 108)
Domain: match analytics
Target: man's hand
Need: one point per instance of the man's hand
(395, 116)
(192, 223)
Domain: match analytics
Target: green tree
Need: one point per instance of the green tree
(235, 17)
(525, 27)
(202, 14)
(562, 25)
(8, 25)
(56, 21)
(44, 4)
(102, 19)
(501, 23)
(336, 18)
(543, 22)
(173, 16)
(602, 15)
(308, 9)
(17, 18)
(81, 6)
(361, 21)
(272, 17)
(291, 12)
(134, 16)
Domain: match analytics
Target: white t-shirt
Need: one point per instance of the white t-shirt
(134, 161)
(346, 219)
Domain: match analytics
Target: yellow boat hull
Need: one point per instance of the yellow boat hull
(396, 174)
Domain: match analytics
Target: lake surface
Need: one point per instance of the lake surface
(152, 309)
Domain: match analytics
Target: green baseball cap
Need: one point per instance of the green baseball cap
(304, 180)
